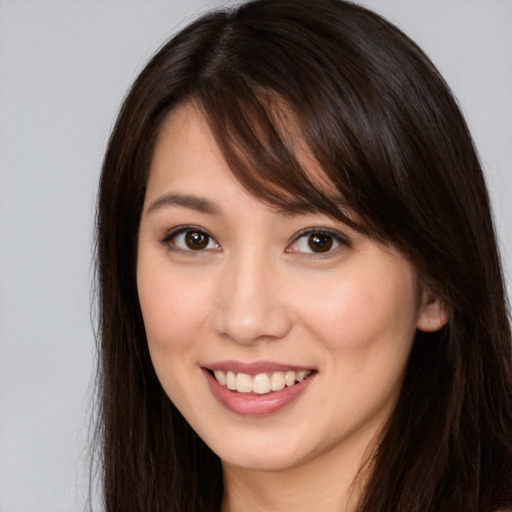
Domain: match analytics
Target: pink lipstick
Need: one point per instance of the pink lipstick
(257, 389)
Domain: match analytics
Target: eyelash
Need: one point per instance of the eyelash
(184, 230)
(333, 238)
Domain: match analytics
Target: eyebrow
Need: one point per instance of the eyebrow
(294, 208)
(196, 203)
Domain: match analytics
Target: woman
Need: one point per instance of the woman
(301, 297)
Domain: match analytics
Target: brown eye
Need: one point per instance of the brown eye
(190, 240)
(195, 240)
(320, 242)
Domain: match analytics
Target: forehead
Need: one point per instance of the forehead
(187, 140)
(186, 153)
(184, 138)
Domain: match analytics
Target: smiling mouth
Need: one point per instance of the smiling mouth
(261, 383)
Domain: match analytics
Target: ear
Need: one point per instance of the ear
(433, 313)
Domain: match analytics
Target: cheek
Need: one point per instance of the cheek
(361, 312)
(174, 308)
(174, 319)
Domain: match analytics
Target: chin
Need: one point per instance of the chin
(268, 453)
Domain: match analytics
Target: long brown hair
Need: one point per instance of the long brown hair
(375, 113)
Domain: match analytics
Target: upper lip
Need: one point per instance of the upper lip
(255, 367)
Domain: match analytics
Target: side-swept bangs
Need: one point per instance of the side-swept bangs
(396, 159)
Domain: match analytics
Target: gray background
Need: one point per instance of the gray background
(64, 68)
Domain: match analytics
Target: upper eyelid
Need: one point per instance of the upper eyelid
(341, 237)
(171, 233)
(305, 231)
(323, 230)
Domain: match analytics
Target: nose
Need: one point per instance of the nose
(250, 305)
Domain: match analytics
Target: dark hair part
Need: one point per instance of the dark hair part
(374, 112)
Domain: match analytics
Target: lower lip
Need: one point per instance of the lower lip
(248, 404)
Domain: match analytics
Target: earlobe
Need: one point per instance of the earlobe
(433, 313)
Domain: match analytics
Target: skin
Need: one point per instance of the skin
(258, 292)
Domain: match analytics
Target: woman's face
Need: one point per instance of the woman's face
(306, 323)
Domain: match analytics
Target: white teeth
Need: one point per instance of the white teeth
(231, 381)
(261, 383)
(277, 381)
(289, 378)
(220, 376)
(243, 383)
(300, 376)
